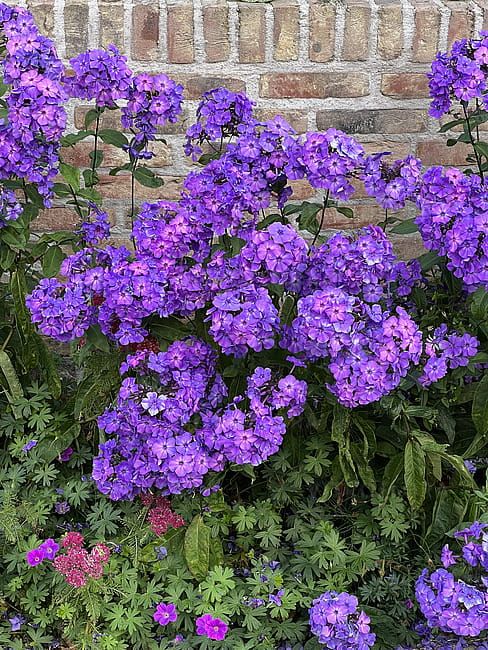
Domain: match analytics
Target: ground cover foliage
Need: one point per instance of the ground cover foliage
(262, 437)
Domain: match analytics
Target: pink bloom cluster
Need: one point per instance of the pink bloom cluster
(77, 564)
(160, 515)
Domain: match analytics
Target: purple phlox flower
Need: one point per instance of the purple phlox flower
(29, 445)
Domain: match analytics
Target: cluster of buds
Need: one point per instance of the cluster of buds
(77, 564)
(160, 515)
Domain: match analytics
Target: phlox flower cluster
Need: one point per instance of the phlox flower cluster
(219, 116)
(160, 515)
(10, 208)
(76, 564)
(392, 185)
(102, 75)
(36, 118)
(153, 100)
(453, 221)
(449, 603)
(159, 442)
(337, 623)
(251, 434)
(446, 351)
(45, 551)
(96, 229)
(430, 640)
(229, 193)
(171, 426)
(327, 160)
(459, 75)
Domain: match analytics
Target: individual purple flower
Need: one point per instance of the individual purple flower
(29, 445)
(165, 613)
(35, 556)
(447, 557)
(213, 628)
(65, 455)
(16, 622)
(50, 548)
(275, 599)
(161, 552)
(392, 184)
(62, 507)
(96, 228)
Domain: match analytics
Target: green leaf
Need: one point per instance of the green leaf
(405, 227)
(197, 548)
(449, 125)
(307, 219)
(72, 138)
(146, 177)
(71, 175)
(429, 260)
(479, 306)
(51, 261)
(414, 473)
(15, 388)
(91, 116)
(347, 212)
(479, 409)
(482, 148)
(449, 509)
(113, 137)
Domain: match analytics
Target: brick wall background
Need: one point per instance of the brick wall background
(357, 65)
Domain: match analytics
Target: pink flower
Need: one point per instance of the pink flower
(213, 628)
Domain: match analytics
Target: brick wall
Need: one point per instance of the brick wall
(358, 65)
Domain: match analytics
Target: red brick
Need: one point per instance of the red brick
(43, 13)
(426, 34)
(380, 121)
(435, 152)
(195, 86)
(180, 33)
(56, 219)
(79, 155)
(404, 85)
(461, 22)
(322, 31)
(111, 24)
(297, 119)
(76, 26)
(108, 120)
(363, 215)
(286, 37)
(356, 31)
(252, 33)
(145, 32)
(314, 85)
(407, 246)
(390, 30)
(301, 190)
(119, 187)
(216, 33)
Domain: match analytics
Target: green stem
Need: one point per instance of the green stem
(473, 143)
(322, 219)
(95, 148)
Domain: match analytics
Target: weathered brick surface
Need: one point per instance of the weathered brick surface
(385, 121)
(322, 31)
(354, 65)
(426, 34)
(390, 30)
(404, 85)
(309, 85)
(252, 33)
(356, 31)
(180, 33)
(216, 32)
(145, 31)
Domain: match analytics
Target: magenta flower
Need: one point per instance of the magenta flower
(213, 628)
(49, 547)
(35, 556)
(165, 613)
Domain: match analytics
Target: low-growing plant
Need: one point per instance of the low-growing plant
(260, 435)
